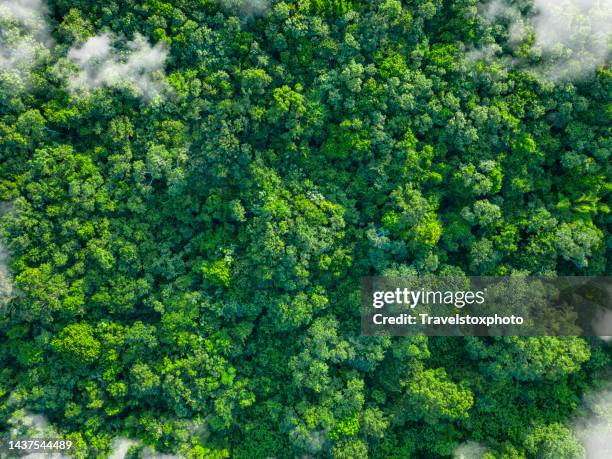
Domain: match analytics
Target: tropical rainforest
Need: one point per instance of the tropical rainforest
(192, 191)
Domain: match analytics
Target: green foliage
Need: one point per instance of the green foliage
(331, 7)
(77, 344)
(217, 272)
(434, 397)
(553, 441)
(185, 270)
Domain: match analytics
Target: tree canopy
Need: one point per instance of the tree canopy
(193, 189)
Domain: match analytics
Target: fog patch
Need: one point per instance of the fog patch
(7, 288)
(245, 7)
(30, 16)
(500, 10)
(25, 41)
(570, 39)
(602, 323)
(25, 424)
(470, 450)
(594, 430)
(7, 285)
(573, 35)
(30, 422)
(45, 456)
(139, 66)
(149, 453)
(120, 447)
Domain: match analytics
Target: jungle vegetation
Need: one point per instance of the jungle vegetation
(183, 252)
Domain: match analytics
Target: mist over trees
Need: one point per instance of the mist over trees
(194, 189)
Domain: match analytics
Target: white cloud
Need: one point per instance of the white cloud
(7, 288)
(470, 450)
(120, 447)
(592, 429)
(595, 430)
(140, 66)
(245, 7)
(25, 424)
(24, 40)
(602, 324)
(31, 15)
(571, 37)
(574, 34)
(98, 47)
(486, 53)
(498, 9)
(149, 453)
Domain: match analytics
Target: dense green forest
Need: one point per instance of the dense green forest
(192, 190)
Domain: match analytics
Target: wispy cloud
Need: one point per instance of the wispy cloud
(602, 324)
(7, 285)
(24, 39)
(25, 424)
(470, 450)
(245, 7)
(120, 447)
(498, 9)
(7, 288)
(595, 430)
(571, 38)
(149, 453)
(30, 15)
(139, 66)
(573, 35)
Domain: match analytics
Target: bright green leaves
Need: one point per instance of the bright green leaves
(200, 380)
(144, 381)
(322, 347)
(310, 211)
(554, 441)
(392, 64)
(524, 145)
(331, 8)
(349, 449)
(347, 427)
(413, 219)
(530, 358)
(65, 182)
(290, 312)
(255, 81)
(443, 57)
(484, 179)
(217, 272)
(31, 125)
(50, 294)
(77, 344)
(433, 397)
(577, 241)
(198, 257)
(294, 235)
(586, 205)
(483, 213)
(349, 139)
(287, 101)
